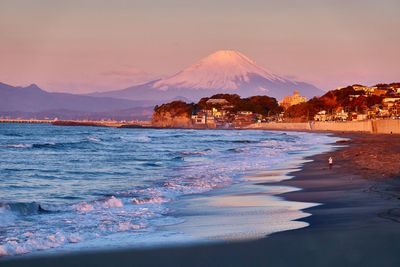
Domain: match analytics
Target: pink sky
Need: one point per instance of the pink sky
(86, 46)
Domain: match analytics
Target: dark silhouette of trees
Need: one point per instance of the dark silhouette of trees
(263, 105)
(175, 108)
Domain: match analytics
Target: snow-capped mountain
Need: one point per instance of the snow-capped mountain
(224, 71)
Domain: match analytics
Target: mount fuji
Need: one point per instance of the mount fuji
(224, 71)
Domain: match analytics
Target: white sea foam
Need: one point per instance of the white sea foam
(143, 138)
(36, 242)
(31, 145)
(74, 238)
(111, 202)
(19, 146)
(193, 153)
(94, 139)
(83, 206)
(149, 200)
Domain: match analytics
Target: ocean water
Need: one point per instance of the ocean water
(68, 188)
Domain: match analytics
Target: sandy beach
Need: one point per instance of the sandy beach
(356, 225)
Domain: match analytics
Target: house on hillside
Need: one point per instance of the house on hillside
(351, 97)
(220, 113)
(391, 99)
(380, 92)
(217, 101)
(357, 87)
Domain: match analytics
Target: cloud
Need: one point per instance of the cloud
(128, 76)
(127, 72)
(104, 81)
(131, 74)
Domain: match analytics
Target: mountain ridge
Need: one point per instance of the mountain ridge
(225, 71)
(32, 101)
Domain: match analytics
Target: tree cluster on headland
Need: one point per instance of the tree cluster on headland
(219, 109)
(379, 100)
(263, 105)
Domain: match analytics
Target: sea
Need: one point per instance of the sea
(67, 189)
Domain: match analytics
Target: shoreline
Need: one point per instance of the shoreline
(383, 126)
(360, 215)
(350, 181)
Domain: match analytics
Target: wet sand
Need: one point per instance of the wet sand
(357, 225)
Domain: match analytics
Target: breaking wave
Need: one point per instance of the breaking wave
(91, 183)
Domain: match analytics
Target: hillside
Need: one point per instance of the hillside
(33, 102)
(176, 114)
(222, 109)
(350, 99)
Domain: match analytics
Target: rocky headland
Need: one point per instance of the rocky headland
(176, 114)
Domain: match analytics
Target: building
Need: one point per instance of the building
(358, 87)
(391, 99)
(361, 117)
(321, 116)
(380, 92)
(244, 119)
(217, 101)
(204, 119)
(199, 119)
(245, 112)
(351, 97)
(220, 113)
(292, 100)
(341, 116)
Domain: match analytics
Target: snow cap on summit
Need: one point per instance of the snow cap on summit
(227, 56)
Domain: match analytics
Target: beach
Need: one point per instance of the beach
(199, 133)
(357, 224)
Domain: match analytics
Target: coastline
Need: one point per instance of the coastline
(357, 224)
(363, 179)
(382, 126)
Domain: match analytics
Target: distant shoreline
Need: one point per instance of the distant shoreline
(366, 126)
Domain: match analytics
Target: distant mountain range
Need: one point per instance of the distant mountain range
(224, 71)
(33, 102)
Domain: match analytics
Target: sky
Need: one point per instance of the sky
(96, 45)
